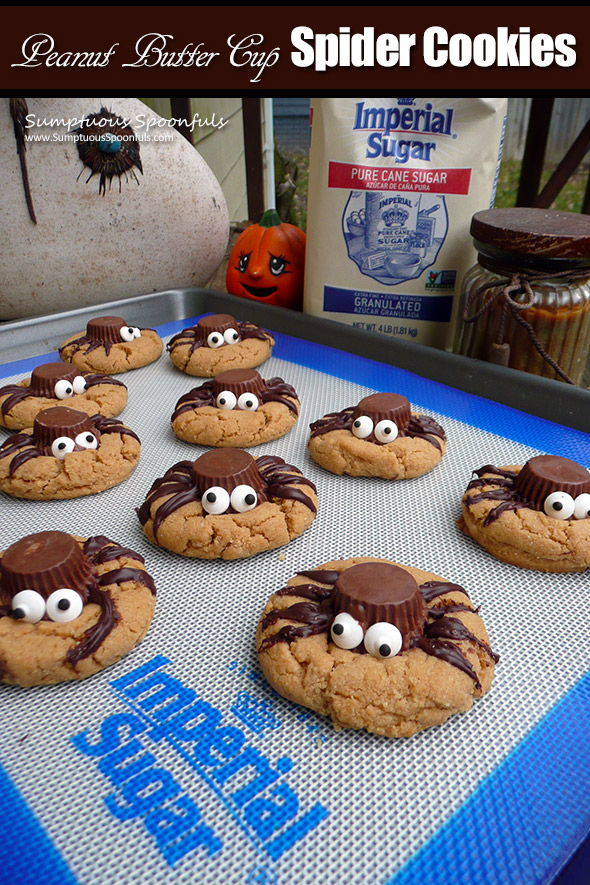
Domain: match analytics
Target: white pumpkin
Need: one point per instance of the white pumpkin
(165, 228)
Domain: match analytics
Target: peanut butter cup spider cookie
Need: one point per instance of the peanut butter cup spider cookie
(111, 345)
(217, 343)
(378, 437)
(236, 408)
(69, 607)
(536, 516)
(375, 645)
(228, 505)
(54, 383)
(67, 454)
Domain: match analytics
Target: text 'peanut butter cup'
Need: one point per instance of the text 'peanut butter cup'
(46, 561)
(238, 381)
(59, 421)
(545, 474)
(45, 377)
(227, 468)
(219, 322)
(373, 592)
(106, 329)
(385, 407)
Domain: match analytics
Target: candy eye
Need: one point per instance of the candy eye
(63, 389)
(231, 336)
(62, 446)
(248, 402)
(582, 506)
(86, 440)
(383, 640)
(243, 498)
(386, 431)
(136, 331)
(28, 606)
(226, 400)
(80, 385)
(127, 333)
(215, 340)
(362, 427)
(215, 500)
(64, 605)
(559, 505)
(345, 631)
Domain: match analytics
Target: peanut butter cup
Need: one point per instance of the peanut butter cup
(384, 407)
(227, 468)
(106, 329)
(239, 381)
(44, 562)
(545, 474)
(45, 377)
(220, 323)
(61, 421)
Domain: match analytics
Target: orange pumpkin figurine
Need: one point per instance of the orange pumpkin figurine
(267, 262)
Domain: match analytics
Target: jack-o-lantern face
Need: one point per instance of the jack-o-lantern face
(267, 263)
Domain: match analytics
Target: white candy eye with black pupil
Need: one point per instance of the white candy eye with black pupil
(231, 336)
(215, 500)
(64, 605)
(247, 402)
(127, 333)
(386, 431)
(383, 640)
(28, 606)
(226, 400)
(62, 446)
(63, 389)
(136, 332)
(362, 427)
(80, 385)
(243, 498)
(582, 506)
(346, 632)
(86, 440)
(559, 505)
(215, 340)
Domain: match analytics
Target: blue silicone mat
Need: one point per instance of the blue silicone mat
(521, 804)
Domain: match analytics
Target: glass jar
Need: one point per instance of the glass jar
(526, 303)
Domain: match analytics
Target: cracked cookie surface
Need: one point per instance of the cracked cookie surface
(121, 356)
(204, 362)
(210, 426)
(106, 398)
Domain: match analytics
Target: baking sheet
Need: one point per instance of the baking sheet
(498, 794)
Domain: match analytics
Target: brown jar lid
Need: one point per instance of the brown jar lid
(46, 561)
(372, 592)
(218, 322)
(526, 231)
(545, 474)
(385, 406)
(238, 381)
(59, 421)
(227, 468)
(106, 329)
(45, 377)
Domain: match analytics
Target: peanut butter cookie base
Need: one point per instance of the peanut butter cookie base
(100, 399)
(206, 362)
(209, 426)
(122, 356)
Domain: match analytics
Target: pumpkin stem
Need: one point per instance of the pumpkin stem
(270, 218)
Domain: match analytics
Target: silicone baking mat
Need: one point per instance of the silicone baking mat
(180, 765)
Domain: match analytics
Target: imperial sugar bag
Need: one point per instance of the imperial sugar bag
(393, 184)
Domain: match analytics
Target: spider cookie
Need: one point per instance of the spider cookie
(228, 505)
(54, 383)
(375, 645)
(69, 607)
(111, 345)
(378, 437)
(219, 342)
(536, 516)
(237, 408)
(67, 454)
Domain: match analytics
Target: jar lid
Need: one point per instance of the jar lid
(525, 234)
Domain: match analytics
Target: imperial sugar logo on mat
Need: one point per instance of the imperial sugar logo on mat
(252, 788)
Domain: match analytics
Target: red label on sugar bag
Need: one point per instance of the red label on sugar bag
(388, 178)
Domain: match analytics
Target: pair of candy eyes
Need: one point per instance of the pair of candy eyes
(63, 389)
(385, 431)
(247, 402)
(382, 640)
(63, 445)
(62, 605)
(217, 500)
(129, 333)
(560, 505)
(216, 339)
